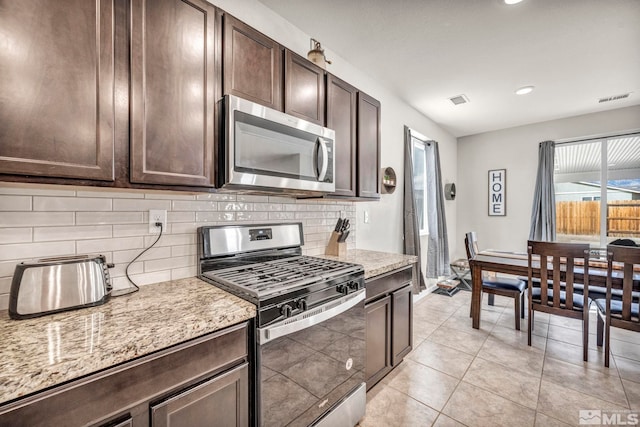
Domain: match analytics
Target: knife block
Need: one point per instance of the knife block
(334, 247)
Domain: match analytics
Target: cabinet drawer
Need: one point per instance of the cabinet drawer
(388, 282)
(105, 394)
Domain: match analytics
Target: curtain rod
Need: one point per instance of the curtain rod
(596, 138)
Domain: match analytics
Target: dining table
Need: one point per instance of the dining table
(517, 264)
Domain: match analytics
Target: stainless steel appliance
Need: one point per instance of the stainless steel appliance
(266, 149)
(309, 335)
(58, 284)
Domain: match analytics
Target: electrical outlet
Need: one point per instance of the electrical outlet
(366, 217)
(157, 215)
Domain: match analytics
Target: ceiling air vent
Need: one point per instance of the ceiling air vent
(613, 98)
(460, 99)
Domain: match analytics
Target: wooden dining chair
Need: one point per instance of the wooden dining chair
(504, 286)
(556, 292)
(619, 313)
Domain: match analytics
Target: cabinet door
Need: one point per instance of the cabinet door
(56, 88)
(173, 90)
(402, 323)
(368, 147)
(221, 401)
(304, 94)
(341, 117)
(252, 64)
(378, 364)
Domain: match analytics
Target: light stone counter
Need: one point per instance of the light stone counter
(45, 351)
(375, 263)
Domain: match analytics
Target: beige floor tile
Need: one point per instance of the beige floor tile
(518, 339)
(628, 369)
(509, 356)
(543, 420)
(588, 381)
(625, 335)
(474, 406)
(424, 384)
(626, 349)
(431, 316)
(573, 354)
(513, 384)
(572, 336)
(422, 328)
(564, 404)
(444, 421)
(463, 323)
(387, 406)
(442, 303)
(442, 358)
(633, 394)
(468, 342)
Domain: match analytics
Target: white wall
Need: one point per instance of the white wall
(384, 230)
(516, 149)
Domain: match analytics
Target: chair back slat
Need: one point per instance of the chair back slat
(561, 257)
(471, 244)
(629, 257)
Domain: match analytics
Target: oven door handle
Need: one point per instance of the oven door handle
(310, 318)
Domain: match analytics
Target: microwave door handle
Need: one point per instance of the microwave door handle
(322, 170)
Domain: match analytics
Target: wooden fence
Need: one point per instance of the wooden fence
(583, 218)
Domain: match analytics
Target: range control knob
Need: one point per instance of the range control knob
(343, 289)
(353, 285)
(302, 304)
(286, 310)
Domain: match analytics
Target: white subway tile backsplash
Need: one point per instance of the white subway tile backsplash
(70, 204)
(127, 256)
(140, 205)
(28, 219)
(195, 205)
(88, 218)
(15, 203)
(215, 216)
(15, 235)
(169, 263)
(76, 220)
(78, 232)
(5, 285)
(108, 245)
(36, 250)
(127, 230)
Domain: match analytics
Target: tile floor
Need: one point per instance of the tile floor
(459, 376)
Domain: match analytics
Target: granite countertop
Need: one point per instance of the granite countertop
(39, 353)
(375, 263)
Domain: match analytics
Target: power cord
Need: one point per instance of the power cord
(157, 224)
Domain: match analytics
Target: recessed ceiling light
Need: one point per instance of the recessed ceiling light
(525, 90)
(512, 1)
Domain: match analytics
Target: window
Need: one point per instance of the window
(586, 210)
(420, 182)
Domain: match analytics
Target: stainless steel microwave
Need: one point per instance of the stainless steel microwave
(267, 150)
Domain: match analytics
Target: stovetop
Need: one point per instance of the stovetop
(263, 279)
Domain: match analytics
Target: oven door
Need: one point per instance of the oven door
(268, 148)
(312, 365)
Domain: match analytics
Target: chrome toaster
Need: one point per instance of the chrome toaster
(57, 284)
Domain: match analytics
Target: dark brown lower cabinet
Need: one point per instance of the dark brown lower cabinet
(389, 314)
(200, 382)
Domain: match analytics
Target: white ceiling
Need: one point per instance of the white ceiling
(426, 51)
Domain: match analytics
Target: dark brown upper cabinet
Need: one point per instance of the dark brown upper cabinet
(368, 147)
(341, 117)
(252, 64)
(57, 109)
(173, 91)
(304, 94)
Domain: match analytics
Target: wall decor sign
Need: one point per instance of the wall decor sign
(498, 192)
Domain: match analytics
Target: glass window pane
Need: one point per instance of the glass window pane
(419, 181)
(623, 188)
(578, 169)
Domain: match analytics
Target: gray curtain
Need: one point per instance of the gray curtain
(411, 229)
(543, 212)
(438, 245)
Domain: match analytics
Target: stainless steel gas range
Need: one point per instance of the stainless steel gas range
(309, 334)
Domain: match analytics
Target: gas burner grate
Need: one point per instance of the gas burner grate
(264, 278)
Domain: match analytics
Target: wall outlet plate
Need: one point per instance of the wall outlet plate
(157, 215)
